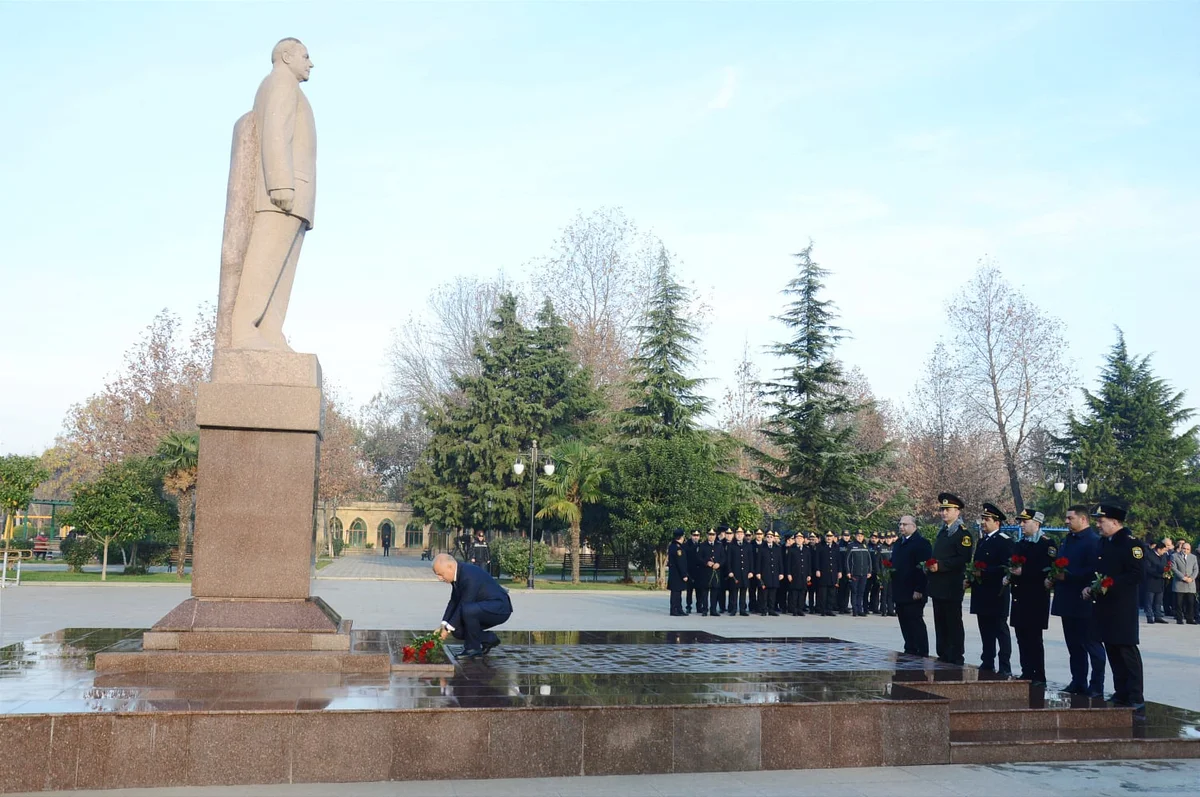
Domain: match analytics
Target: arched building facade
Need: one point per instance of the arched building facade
(360, 525)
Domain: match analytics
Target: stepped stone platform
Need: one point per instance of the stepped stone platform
(549, 703)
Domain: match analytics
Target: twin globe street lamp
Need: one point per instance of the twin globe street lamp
(1060, 485)
(519, 469)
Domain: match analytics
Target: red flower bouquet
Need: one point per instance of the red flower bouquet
(1169, 570)
(977, 572)
(928, 563)
(424, 649)
(885, 575)
(1101, 584)
(1014, 563)
(1057, 571)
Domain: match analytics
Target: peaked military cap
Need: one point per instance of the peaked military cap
(1110, 509)
(950, 501)
(992, 511)
(677, 533)
(722, 527)
(1027, 514)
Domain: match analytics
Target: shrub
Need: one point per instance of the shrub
(338, 545)
(512, 556)
(78, 552)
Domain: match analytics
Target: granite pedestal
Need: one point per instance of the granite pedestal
(260, 422)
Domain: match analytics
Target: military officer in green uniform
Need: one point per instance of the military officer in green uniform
(952, 552)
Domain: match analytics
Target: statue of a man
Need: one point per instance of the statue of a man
(275, 150)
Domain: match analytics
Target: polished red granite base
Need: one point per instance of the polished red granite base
(543, 704)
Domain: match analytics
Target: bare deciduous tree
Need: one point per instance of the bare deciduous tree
(344, 474)
(433, 348)
(153, 395)
(1008, 366)
(598, 278)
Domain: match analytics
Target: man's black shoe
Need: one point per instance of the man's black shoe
(1005, 673)
(470, 654)
(744, 614)
(488, 647)
(1074, 689)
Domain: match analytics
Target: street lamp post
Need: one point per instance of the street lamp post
(519, 468)
(1081, 486)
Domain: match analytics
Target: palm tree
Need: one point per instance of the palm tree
(178, 455)
(576, 481)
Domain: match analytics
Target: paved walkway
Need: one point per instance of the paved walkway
(1100, 779)
(377, 567)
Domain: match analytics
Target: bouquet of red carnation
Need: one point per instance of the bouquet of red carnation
(1169, 570)
(424, 649)
(1101, 584)
(885, 575)
(928, 563)
(1014, 563)
(977, 572)
(1057, 571)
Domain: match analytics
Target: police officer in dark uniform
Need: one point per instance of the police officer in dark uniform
(843, 587)
(480, 553)
(691, 552)
(910, 586)
(1030, 597)
(827, 572)
(705, 592)
(887, 605)
(755, 585)
(1121, 559)
(952, 549)
(796, 565)
(811, 541)
(859, 567)
(873, 587)
(677, 573)
(739, 559)
(769, 571)
(716, 600)
(989, 593)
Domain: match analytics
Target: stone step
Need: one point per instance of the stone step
(1022, 718)
(1040, 747)
(955, 691)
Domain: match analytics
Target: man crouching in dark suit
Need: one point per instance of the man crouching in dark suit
(477, 603)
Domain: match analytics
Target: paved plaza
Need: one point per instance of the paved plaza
(397, 599)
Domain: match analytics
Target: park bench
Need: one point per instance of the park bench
(595, 564)
(173, 562)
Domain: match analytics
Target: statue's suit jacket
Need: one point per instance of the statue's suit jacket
(287, 139)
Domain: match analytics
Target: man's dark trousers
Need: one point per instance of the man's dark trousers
(471, 622)
(827, 598)
(993, 630)
(735, 600)
(858, 586)
(1126, 663)
(1082, 637)
(911, 615)
(948, 627)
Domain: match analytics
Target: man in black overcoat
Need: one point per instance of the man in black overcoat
(827, 573)
(989, 593)
(677, 572)
(910, 586)
(952, 548)
(739, 561)
(1121, 559)
(1030, 614)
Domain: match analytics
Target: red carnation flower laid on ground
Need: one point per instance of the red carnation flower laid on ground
(424, 649)
(1057, 571)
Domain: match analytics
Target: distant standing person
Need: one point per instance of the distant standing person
(385, 539)
(909, 586)
(990, 593)
(952, 551)
(677, 572)
(477, 604)
(1186, 572)
(480, 554)
(1120, 563)
(1030, 596)
(1081, 634)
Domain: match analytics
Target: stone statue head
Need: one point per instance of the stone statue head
(294, 55)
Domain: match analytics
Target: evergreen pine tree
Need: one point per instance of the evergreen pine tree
(819, 474)
(1129, 443)
(664, 398)
(528, 388)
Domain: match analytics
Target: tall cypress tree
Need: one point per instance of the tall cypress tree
(1130, 443)
(820, 472)
(664, 398)
(528, 388)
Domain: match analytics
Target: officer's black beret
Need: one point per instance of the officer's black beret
(678, 533)
(950, 500)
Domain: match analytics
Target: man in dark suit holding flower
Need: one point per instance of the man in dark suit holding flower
(477, 603)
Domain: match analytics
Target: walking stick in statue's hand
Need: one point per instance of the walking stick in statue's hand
(282, 268)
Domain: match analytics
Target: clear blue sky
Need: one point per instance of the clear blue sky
(907, 140)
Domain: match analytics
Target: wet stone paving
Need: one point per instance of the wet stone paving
(54, 674)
